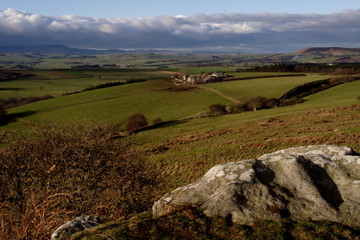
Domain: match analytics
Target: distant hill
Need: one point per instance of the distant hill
(328, 50)
(54, 48)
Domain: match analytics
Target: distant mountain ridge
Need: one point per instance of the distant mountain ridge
(63, 49)
(53, 48)
(328, 50)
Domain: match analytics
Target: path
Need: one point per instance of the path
(230, 98)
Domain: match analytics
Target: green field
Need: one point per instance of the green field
(154, 99)
(196, 70)
(116, 104)
(58, 82)
(265, 87)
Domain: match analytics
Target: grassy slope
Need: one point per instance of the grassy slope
(266, 87)
(232, 137)
(116, 104)
(184, 152)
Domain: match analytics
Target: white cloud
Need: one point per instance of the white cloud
(216, 30)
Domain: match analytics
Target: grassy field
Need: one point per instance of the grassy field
(58, 82)
(116, 104)
(265, 87)
(195, 70)
(157, 99)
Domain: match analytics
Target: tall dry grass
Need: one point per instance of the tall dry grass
(60, 173)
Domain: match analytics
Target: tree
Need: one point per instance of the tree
(136, 121)
(217, 110)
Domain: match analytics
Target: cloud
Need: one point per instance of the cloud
(260, 31)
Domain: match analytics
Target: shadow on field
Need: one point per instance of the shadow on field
(13, 117)
(161, 125)
(11, 89)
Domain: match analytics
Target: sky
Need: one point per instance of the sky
(214, 25)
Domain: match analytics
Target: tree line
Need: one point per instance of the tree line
(306, 68)
(109, 84)
(253, 104)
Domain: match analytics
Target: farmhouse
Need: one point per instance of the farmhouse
(203, 78)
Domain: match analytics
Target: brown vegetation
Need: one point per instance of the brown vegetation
(65, 173)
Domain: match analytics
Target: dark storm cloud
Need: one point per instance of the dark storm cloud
(278, 32)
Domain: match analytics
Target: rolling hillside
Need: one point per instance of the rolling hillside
(154, 98)
(75, 134)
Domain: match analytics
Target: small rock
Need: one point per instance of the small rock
(76, 225)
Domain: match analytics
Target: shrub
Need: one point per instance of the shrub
(66, 173)
(257, 103)
(238, 108)
(272, 102)
(136, 121)
(217, 110)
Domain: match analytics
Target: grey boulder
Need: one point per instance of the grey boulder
(302, 183)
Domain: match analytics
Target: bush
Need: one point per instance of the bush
(217, 110)
(66, 173)
(257, 103)
(272, 102)
(135, 122)
(238, 108)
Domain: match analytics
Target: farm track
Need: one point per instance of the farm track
(232, 99)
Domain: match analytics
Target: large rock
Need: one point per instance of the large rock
(312, 182)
